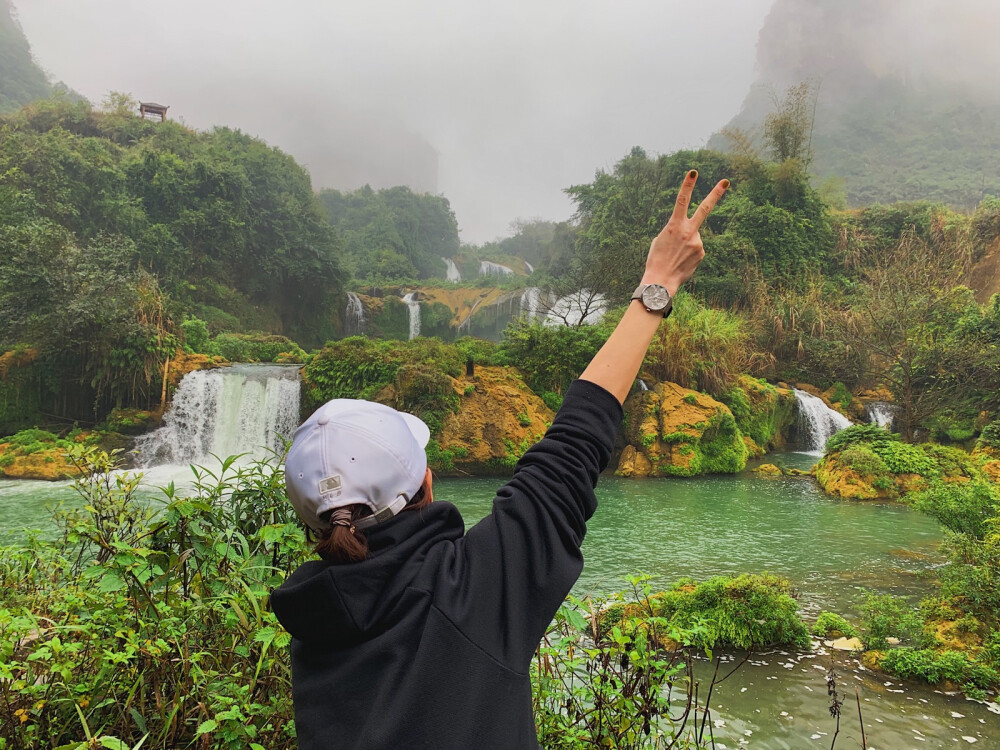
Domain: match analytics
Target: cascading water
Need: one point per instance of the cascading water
(642, 385)
(578, 308)
(354, 316)
(817, 422)
(881, 413)
(488, 268)
(225, 412)
(414, 307)
(528, 267)
(452, 273)
(529, 302)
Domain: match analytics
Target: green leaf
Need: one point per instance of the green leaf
(207, 726)
(110, 582)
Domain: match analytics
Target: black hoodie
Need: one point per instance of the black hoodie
(427, 643)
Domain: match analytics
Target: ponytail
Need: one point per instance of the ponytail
(344, 542)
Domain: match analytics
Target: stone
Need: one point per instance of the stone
(846, 644)
(679, 432)
(769, 470)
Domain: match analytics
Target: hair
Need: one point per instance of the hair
(348, 544)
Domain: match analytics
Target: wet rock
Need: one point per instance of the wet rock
(846, 644)
(674, 431)
(769, 470)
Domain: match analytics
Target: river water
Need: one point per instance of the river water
(830, 549)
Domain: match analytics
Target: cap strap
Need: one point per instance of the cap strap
(385, 514)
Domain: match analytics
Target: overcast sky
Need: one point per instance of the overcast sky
(519, 99)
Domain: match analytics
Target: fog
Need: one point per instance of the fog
(499, 106)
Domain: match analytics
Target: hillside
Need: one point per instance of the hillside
(888, 121)
(21, 80)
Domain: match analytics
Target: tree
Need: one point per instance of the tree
(788, 129)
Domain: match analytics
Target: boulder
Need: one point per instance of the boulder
(674, 431)
(846, 644)
(498, 419)
(769, 470)
(763, 412)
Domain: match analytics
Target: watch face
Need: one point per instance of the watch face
(655, 297)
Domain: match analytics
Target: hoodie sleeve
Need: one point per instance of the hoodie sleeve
(511, 572)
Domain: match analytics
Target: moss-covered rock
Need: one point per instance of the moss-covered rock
(498, 419)
(763, 412)
(674, 431)
(769, 471)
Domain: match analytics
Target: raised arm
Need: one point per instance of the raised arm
(673, 257)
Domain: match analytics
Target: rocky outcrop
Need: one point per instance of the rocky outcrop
(498, 419)
(763, 412)
(674, 431)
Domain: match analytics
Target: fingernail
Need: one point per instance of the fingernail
(692, 174)
(725, 184)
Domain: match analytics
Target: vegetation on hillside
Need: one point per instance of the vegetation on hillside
(21, 80)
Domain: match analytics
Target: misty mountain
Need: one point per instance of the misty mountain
(907, 103)
(21, 80)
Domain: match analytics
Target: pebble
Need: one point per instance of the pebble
(968, 739)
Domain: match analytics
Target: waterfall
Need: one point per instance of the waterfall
(354, 317)
(881, 413)
(817, 421)
(529, 302)
(528, 267)
(224, 412)
(414, 307)
(488, 268)
(574, 309)
(452, 274)
(642, 385)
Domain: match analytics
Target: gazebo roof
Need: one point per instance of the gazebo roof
(153, 105)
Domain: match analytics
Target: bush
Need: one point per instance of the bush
(903, 458)
(990, 436)
(933, 667)
(829, 622)
(254, 347)
(551, 357)
(170, 634)
(963, 508)
(871, 435)
(864, 461)
(885, 616)
(195, 335)
(746, 612)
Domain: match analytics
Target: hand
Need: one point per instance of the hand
(677, 250)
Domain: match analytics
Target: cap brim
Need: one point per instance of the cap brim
(420, 431)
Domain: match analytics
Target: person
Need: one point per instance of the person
(409, 632)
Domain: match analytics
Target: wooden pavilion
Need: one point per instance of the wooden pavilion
(153, 109)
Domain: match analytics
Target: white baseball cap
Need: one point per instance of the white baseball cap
(355, 452)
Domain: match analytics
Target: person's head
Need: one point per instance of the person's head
(353, 465)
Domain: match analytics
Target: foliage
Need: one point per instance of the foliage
(746, 612)
(195, 335)
(934, 667)
(990, 436)
(256, 347)
(551, 356)
(760, 412)
(170, 636)
(393, 233)
(829, 622)
(788, 129)
(885, 616)
(700, 348)
(864, 461)
(871, 435)
(616, 687)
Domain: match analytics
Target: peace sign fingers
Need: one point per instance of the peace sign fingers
(706, 206)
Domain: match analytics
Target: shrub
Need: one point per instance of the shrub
(195, 335)
(839, 394)
(746, 612)
(864, 461)
(933, 667)
(254, 347)
(990, 436)
(964, 508)
(551, 357)
(830, 622)
(903, 458)
(950, 461)
(869, 434)
(885, 616)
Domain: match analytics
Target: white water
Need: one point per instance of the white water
(642, 385)
(488, 268)
(817, 422)
(414, 308)
(881, 413)
(354, 316)
(225, 412)
(530, 268)
(452, 274)
(529, 302)
(577, 308)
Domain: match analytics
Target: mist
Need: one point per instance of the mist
(497, 106)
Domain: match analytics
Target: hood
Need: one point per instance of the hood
(325, 601)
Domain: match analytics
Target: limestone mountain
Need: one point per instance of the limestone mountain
(21, 80)
(906, 100)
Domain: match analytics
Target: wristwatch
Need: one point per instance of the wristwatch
(655, 297)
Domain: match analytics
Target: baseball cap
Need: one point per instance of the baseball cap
(355, 452)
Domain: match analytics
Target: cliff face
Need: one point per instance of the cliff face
(892, 118)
